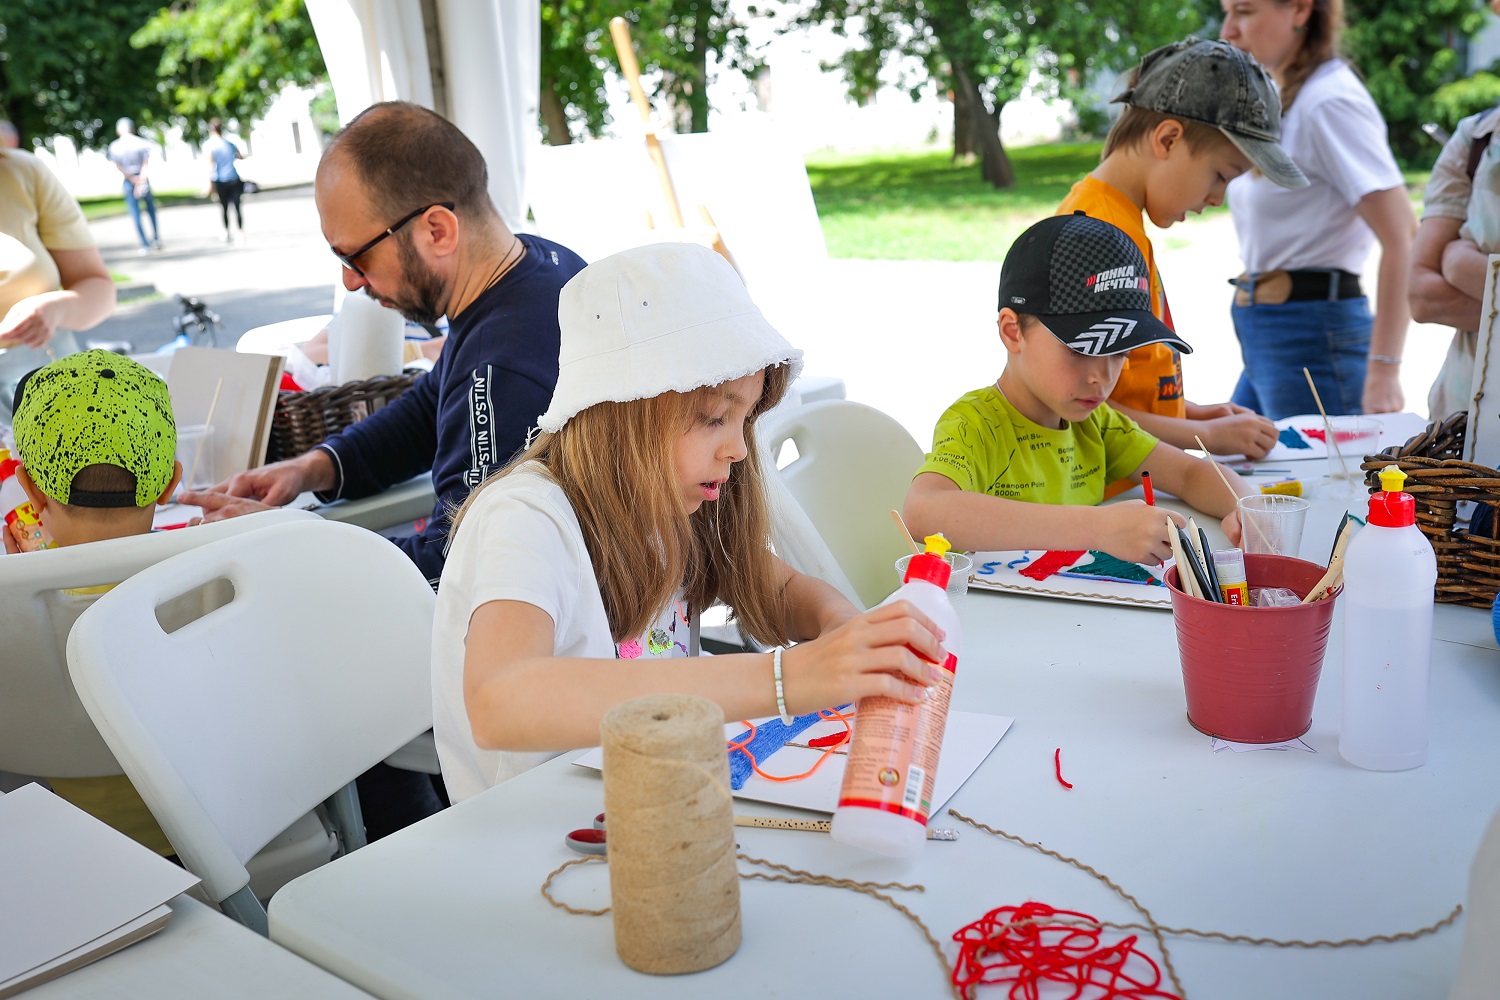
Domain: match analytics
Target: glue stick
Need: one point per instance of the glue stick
(893, 758)
(1229, 564)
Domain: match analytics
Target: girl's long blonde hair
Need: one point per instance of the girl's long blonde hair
(1322, 38)
(614, 464)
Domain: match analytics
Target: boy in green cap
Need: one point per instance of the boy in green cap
(97, 444)
(98, 450)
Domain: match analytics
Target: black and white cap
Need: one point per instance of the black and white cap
(1087, 281)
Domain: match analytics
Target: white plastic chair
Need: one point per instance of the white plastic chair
(853, 467)
(231, 726)
(44, 731)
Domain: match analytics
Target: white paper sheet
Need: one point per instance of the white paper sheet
(968, 740)
(69, 880)
(1002, 571)
(1395, 429)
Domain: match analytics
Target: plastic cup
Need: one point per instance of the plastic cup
(1251, 674)
(1272, 524)
(958, 582)
(197, 462)
(1356, 438)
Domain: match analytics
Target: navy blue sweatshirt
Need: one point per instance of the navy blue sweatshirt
(471, 413)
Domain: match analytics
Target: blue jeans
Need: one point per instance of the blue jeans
(1330, 338)
(133, 205)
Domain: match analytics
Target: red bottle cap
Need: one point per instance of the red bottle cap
(1392, 507)
(926, 566)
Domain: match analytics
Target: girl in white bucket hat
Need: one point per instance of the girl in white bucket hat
(641, 502)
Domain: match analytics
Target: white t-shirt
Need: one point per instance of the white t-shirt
(1335, 134)
(520, 541)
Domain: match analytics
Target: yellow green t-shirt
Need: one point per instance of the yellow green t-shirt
(985, 445)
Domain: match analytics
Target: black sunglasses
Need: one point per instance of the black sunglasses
(348, 259)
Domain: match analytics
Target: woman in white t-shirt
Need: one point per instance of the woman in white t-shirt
(576, 574)
(1300, 303)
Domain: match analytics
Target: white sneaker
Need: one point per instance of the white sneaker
(228, 238)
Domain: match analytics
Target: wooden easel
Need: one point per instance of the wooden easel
(619, 29)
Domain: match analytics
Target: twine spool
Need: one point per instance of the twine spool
(674, 886)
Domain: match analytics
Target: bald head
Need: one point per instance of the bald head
(404, 157)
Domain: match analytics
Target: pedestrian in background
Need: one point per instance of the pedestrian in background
(132, 155)
(224, 178)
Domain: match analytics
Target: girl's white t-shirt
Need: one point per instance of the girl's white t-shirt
(521, 541)
(1335, 134)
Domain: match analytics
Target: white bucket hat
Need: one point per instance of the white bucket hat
(670, 317)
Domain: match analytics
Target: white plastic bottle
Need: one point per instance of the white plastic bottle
(893, 760)
(1389, 574)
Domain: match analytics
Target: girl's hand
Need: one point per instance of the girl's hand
(871, 654)
(1233, 530)
(1382, 392)
(1137, 532)
(1248, 434)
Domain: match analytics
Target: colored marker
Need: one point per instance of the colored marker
(1146, 486)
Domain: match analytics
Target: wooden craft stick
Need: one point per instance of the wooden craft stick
(208, 422)
(1335, 572)
(820, 826)
(1333, 445)
(1185, 579)
(1233, 493)
(906, 534)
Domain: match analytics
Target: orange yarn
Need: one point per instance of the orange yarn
(743, 745)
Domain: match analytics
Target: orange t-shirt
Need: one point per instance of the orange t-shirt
(1152, 379)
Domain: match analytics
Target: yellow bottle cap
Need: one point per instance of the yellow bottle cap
(937, 545)
(4, 454)
(1392, 478)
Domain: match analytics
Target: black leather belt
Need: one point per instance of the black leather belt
(1331, 285)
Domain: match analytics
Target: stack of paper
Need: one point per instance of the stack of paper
(74, 889)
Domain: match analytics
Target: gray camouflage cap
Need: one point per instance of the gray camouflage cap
(1216, 84)
(1087, 281)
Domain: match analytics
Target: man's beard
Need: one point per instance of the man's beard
(428, 298)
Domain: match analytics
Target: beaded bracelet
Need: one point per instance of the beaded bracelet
(1385, 359)
(786, 718)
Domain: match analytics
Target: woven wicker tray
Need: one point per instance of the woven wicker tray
(1439, 480)
(304, 420)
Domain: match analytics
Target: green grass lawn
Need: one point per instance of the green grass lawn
(920, 205)
(103, 208)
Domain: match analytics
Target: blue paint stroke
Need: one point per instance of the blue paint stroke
(1292, 439)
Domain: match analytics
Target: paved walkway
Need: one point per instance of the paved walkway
(906, 336)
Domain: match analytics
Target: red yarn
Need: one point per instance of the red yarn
(993, 951)
(1057, 768)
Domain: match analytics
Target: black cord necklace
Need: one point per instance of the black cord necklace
(512, 258)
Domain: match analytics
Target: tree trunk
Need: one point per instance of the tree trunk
(963, 124)
(698, 94)
(984, 130)
(554, 116)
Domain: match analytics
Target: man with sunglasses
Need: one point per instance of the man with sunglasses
(402, 197)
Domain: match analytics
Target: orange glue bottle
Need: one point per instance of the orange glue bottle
(893, 759)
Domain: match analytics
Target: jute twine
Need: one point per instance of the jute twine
(1157, 930)
(672, 876)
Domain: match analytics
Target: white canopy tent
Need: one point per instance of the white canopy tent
(476, 62)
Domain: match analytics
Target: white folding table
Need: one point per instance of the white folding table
(1278, 843)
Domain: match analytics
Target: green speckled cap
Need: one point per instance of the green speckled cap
(96, 408)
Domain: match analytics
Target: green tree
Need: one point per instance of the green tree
(230, 58)
(674, 40)
(66, 70)
(1407, 50)
(983, 52)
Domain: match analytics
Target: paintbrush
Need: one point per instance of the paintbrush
(1333, 444)
(1334, 575)
(1233, 493)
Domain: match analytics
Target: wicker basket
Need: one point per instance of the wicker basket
(1439, 480)
(304, 420)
